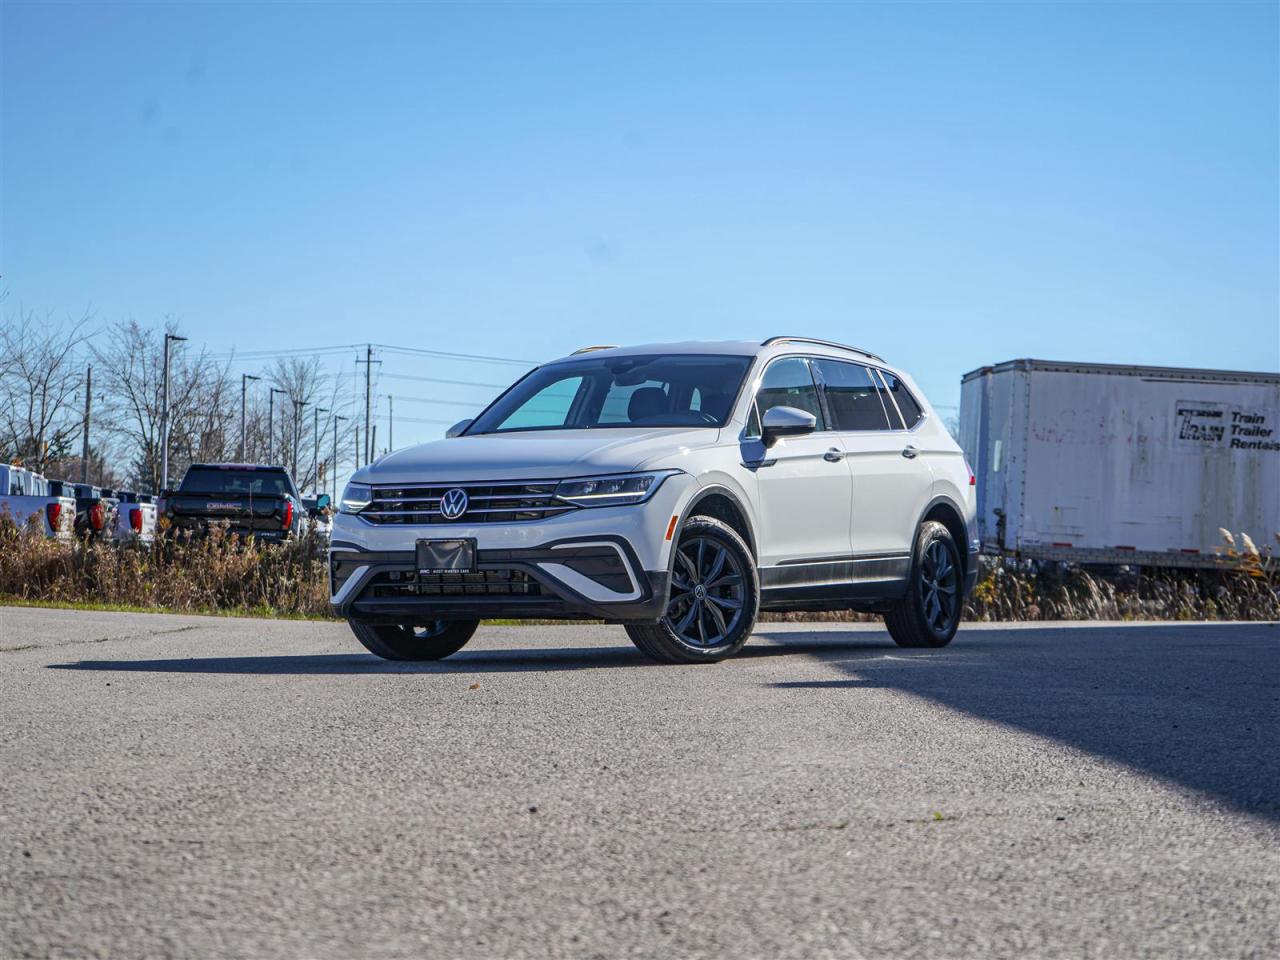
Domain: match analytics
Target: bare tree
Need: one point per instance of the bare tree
(39, 379)
(298, 421)
(203, 407)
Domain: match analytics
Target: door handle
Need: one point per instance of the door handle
(910, 452)
(834, 455)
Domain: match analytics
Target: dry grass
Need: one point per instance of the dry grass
(221, 574)
(1014, 590)
(213, 574)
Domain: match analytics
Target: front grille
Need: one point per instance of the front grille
(486, 503)
(484, 583)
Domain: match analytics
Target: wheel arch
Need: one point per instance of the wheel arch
(948, 513)
(720, 503)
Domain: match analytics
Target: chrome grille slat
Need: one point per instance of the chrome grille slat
(488, 502)
(436, 498)
(401, 513)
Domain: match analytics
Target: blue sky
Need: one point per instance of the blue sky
(947, 184)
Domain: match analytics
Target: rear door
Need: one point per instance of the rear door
(803, 482)
(892, 483)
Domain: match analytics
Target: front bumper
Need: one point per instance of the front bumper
(608, 563)
(600, 578)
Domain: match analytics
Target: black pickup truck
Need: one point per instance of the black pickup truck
(251, 499)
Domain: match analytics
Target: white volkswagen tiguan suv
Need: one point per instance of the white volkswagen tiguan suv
(677, 489)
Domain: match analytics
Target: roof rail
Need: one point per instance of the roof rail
(825, 343)
(599, 346)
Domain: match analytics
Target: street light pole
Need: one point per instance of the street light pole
(271, 424)
(336, 418)
(164, 415)
(315, 458)
(84, 447)
(297, 408)
(244, 387)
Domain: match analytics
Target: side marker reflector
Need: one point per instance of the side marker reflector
(671, 527)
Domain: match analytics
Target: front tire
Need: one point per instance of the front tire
(930, 612)
(715, 596)
(432, 641)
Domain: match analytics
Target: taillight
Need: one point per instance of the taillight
(96, 515)
(135, 519)
(288, 514)
(55, 511)
(973, 481)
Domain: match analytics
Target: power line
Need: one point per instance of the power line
(249, 355)
(418, 351)
(455, 383)
(474, 404)
(272, 354)
(404, 419)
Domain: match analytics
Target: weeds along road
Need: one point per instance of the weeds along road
(190, 786)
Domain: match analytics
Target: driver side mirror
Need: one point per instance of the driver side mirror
(457, 428)
(781, 422)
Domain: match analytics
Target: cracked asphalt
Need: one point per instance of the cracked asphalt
(202, 787)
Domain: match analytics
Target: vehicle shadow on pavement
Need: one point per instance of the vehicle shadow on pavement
(1196, 705)
(530, 659)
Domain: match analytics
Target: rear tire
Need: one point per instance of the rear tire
(930, 612)
(715, 596)
(433, 641)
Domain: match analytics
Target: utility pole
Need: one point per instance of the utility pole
(271, 425)
(84, 446)
(297, 408)
(368, 362)
(164, 415)
(357, 445)
(244, 388)
(315, 458)
(336, 418)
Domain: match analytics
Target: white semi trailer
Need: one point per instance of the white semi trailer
(1096, 463)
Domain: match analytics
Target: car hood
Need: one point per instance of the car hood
(535, 455)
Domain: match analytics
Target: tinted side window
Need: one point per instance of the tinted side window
(853, 397)
(911, 412)
(789, 383)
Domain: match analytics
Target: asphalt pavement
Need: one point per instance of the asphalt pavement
(175, 786)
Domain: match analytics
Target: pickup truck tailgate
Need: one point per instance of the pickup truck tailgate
(242, 511)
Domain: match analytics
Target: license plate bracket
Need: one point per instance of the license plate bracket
(446, 556)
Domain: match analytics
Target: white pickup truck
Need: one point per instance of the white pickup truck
(25, 495)
(136, 518)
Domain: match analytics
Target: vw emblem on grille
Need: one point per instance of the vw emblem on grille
(453, 504)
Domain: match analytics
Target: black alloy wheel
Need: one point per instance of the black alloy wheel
(929, 614)
(715, 596)
(939, 586)
(708, 592)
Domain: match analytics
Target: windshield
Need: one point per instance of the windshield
(681, 390)
(258, 483)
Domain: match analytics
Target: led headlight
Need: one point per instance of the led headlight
(611, 491)
(355, 498)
